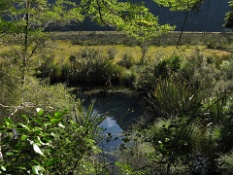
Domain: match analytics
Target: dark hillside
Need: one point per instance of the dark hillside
(209, 18)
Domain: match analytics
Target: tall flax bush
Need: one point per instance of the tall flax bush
(171, 98)
(91, 66)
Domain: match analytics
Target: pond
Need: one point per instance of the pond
(123, 108)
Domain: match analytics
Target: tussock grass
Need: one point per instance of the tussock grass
(65, 49)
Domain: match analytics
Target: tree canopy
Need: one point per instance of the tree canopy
(229, 16)
(133, 18)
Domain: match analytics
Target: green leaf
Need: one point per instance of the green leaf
(10, 154)
(24, 126)
(58, 114)
(40, 111)
(8, 121)
(51, 162)
(37, 130)
(24, 137)
(42, 143)
(54, 134)
(47, 124)
(55, 120)
(21, 167)
(37, 149)
(3, 168)
(37, 169)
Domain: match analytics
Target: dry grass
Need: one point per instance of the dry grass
(63, 49)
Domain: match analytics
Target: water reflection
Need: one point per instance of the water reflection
(122, 109)
(111, 126)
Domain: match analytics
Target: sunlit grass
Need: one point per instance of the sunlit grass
(64, 49)
(153, 52)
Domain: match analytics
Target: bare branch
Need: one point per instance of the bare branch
(23, 106)
(100, 14)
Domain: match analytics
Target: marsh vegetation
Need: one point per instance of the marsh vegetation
(185, 93)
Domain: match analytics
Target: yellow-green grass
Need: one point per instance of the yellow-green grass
(64, 49)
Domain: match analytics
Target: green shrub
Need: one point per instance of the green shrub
(143, 77)
(127, 61)
(171, 98)
(226, 68)
(100, 70)
(226, 163)
(49, 69)
(19, 98)
(111, 52)
(201, 73)
(47, 143)
(10, 82)
(167, 67)
(127, 78)
(94, 67)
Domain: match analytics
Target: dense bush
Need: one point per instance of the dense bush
(127, 61)
(48, 143)
(167, 67)
(94, 67)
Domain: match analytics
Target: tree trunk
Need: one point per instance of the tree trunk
(26, 28)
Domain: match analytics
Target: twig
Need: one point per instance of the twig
(22, 106)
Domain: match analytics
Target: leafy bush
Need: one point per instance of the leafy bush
(226, 163)
(94, 67)
(49, 143)
(172, 98)
(201, 73)
(49, 69)
(227, 69)
(167, 67)
(9, 83)
(143, 77)
(127, 78)
(127, 61)
(18, 98)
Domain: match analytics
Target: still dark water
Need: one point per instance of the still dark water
(122, 108)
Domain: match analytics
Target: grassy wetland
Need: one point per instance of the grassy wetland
(69, 53)
(184, 82)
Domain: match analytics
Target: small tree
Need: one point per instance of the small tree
(28, 20)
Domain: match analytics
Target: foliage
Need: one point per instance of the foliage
(200, 73)
(78, 138)
(45, 143)
(143, 77)
(134, 19)
(24, 99)
(26, 146)
(94, 67)
(188, 128)
(167, 67)
(126, 169)
(127, 61)
(226, 68)
(229, 16)
(177, 5)
(225, 163)
(9, 84)
(190, 125)
(172, 98)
